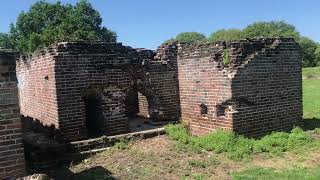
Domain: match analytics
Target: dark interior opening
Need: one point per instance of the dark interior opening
(203, 109)
(221, 110)
(94, 116)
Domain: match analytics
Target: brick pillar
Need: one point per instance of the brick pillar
(12, 162)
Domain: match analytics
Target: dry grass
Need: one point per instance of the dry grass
(160, 158)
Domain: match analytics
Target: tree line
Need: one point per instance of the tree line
(45, 23)
(310, 48)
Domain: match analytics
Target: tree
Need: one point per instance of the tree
(270, 29)
(309, 48)
(226, 35)
(317, 54)
(190, 37)
(4, 41)
(45, 23)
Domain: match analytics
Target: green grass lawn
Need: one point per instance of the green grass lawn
(270, 173)
(311, 93)
(311, 98)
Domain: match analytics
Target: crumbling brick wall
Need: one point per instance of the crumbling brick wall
(69, 74)
(11, 148)
(158, 81)
(251, 86)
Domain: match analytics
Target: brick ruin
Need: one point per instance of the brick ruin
(251, 87)
(80, 88)
(11, 147)
(73, 90)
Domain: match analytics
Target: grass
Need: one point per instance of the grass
(310, 73)
(237, 147)
(270, 173)
(122, 144)
(311, 95)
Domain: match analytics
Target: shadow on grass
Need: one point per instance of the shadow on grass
(93, 173)
(311, 123)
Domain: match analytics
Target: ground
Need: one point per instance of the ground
(164, 158)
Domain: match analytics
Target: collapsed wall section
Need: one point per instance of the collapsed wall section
(251, 86)
(11, 148)
(159, 74)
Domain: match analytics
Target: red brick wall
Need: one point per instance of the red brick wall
(55, 83)
(271, 86)
(201, 82)
(37, 89)
(143, 106)
(84, 66)
(258, 91)
(11, 148)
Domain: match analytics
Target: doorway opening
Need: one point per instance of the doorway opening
(143, 106)
(95, 121)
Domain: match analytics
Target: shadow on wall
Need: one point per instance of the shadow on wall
(311, 123)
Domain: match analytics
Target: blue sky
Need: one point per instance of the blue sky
(147, 23)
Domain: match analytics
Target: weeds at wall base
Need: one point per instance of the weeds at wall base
(238, 147)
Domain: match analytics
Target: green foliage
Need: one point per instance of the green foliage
(270, 173)
(238, 147)
(5, 41)
(317, 54)
(270, 29)
(309, 47)
(188, 37)
(45, 23)
(226, 35)
(226, 57)
(122, 144)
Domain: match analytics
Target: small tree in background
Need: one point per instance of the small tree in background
(190, 37)
(317, 52)
(309, 47)
(45, 23)
(226, 35)
(270, 29)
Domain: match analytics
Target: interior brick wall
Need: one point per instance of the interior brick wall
(258, 91)
(143, 106)
(12, 163)
(37, 88)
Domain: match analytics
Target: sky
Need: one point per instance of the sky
(148, 23)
